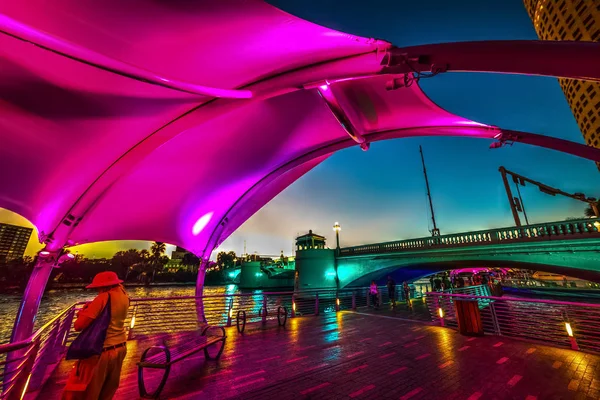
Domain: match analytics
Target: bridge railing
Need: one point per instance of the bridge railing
(557, 323)
(538, 232)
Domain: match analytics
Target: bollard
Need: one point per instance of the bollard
(354, 301)
(293, 306)
(368, 299)
(317, 304)
(337, 304)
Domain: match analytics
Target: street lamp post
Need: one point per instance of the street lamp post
(337, 228)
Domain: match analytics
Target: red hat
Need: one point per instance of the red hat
(103, 279)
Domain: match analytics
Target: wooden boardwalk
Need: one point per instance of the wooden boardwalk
(349, 355)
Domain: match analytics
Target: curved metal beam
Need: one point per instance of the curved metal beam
(18, 30)
(577, 60)
(225, 227)
(577, 149)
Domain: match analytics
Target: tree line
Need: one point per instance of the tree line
(133, 266)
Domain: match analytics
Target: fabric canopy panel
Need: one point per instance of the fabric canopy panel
(206, 169)
(67, 119)
(224, 43)
(175, 121)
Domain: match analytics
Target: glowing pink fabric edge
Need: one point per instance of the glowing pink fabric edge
(41, 39)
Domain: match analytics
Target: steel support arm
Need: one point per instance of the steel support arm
(577, 60)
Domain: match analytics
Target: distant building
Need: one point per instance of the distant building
(13, 241)
(179, 253)
(310, 241)
(577, 20)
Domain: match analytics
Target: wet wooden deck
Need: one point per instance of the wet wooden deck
(368, 355)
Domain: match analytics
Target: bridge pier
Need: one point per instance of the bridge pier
(316, 269)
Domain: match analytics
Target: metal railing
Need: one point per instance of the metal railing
(26, 365)
(584, 228)
(30, 362)
(557, 323)
(477, 290)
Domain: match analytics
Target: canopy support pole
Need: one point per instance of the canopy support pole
(25, 319)
(200, 289)
(30, 303)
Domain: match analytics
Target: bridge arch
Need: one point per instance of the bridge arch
(577, 258)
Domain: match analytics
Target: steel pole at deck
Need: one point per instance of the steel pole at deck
(25, 319)
(199, 291)
(30, 303)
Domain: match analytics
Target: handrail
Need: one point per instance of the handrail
(558, 323)
(12, 346)
(558, 302)
(534, 232)
(7, 347)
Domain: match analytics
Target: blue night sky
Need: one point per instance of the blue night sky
(379, 195)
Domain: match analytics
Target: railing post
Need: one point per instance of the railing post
(68, 322)
(22, 383)
(293, 305)
(229, 311)
(317, 304)
(495, 319)
(354, 300)
(264, 307)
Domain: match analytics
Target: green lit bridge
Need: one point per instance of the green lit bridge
(566, 247)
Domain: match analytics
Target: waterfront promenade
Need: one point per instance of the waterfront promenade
(367, 355)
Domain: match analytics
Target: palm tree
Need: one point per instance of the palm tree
(157, 249)
(144, 254)
(589, 211)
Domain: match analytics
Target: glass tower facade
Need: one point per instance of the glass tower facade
(577, 20)
(13, 241)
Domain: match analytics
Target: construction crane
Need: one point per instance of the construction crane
(516, 203)
(435, 231)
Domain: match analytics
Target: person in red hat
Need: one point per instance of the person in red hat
(98, 377)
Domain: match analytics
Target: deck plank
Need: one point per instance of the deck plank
(328, 357)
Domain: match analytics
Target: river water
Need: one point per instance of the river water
(54, 301)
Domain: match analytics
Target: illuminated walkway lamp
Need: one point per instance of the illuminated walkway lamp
(569, 329)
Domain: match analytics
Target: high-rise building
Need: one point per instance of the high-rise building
(573, 20)
(13, 241)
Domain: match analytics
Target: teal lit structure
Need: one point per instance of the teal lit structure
(315, 263)
(566, 247)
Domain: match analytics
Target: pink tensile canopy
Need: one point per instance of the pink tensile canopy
(176, 121)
